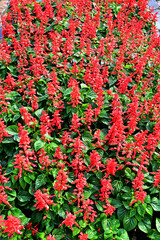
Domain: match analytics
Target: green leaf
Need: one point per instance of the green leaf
(22, 183)
(67, 92)
(87, 137)
(158, 224)
(132, 212)
(17, 116)
(83, 85)
(99, 206)
(40, 99)
(82, 224)
(38, 145)
(38, 113)
(155, 203)
(76, 231)
(129, 223)
(12, 130)
(27, 179)
(122, 213)
(147, 199)
(155, 235)
(127, 196)
(123, 234)
(149, 210)
(116, 203)
(141, 210)
(61, 213)
(41, 180)
(108, 235)
(145, 225)
(53, 145)
(91, 94)
(91, 234)
(117, 186)
(104, 222)
(23, 196)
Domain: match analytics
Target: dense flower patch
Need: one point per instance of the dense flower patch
(79, 120)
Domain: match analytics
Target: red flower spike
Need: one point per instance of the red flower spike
(43, 200)
(51, 237)
(13, 225)
(83, 236)
(69, 221)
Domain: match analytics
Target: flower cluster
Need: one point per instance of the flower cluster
(79, 119)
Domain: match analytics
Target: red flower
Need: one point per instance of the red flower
(22, 162)
(45, 127)
(89, 116)
(95, 160)
(44, 159)
(83, 236)
(43, 200)
(3, 197)
(24, 139)
(88, 210)
(140, 196)
(61, 181)
(109, 209)
(81, 182)
(156, 178)
(75, 123)
(56, 121)
(65, 139)
(99, 141)
(1, 222)
(110, 167)
(69, 221)
(27, 117)
(3, 132)
(75, 96)
(51, 237)
(34, 229)
(105, 189)
(12, 225)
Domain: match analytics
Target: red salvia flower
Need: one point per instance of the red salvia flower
(45, 127)
(83, 236)
(75, 123)
(156, 178)
(43, 158)
(56, 120)
(88, 211)
(109, 209)
(13, 225)
(81, 182)
(3, 197)
(75, 96)
(24, 139)
(1, 222)
(111, 167)
(65, 139)
(140, 196)
(51, 237)
(60, 184)
(105, 189)
(89, 116)
(27, 117)
(95, 160)
(43, 200)
(3, 132)
(99, 141)
(69, 221)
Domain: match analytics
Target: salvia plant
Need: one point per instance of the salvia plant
(79, 120)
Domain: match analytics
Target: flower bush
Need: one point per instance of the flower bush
(79, 120)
